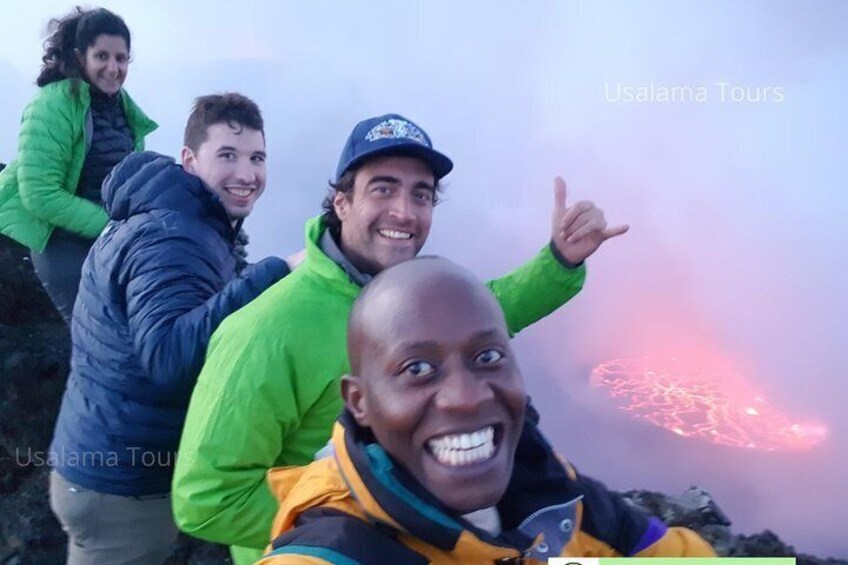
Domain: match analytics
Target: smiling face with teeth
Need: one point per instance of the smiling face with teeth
(386, 218)
(436, 380)
(231, 164)
(105, 63)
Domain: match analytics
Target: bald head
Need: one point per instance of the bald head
(400, 296)
(432, 371)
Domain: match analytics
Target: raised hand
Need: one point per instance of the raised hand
(577, 231)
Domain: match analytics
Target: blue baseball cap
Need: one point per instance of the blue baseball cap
(391, 134)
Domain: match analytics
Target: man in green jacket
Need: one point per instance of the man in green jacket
(269, 394)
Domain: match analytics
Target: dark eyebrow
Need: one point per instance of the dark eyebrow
(234, 150)
(384, 178)
(418, 345)
(488, 334)
(393, 180)
(425, 185)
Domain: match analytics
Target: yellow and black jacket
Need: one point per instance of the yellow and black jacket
(358, 507)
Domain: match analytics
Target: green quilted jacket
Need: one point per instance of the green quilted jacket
(37, 189)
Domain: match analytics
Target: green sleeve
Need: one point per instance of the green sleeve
(45, 157)
(535, 289)
(239, 413)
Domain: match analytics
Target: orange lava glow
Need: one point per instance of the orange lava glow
(712, 406)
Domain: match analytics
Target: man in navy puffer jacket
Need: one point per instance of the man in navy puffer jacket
(155, 286)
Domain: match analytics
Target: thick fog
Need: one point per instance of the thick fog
(717, 130)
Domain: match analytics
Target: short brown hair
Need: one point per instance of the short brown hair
(228, 108)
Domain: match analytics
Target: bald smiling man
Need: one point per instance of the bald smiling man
(437, 457)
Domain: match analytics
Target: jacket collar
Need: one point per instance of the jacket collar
(147, 181)
(321, 266)
(332, 250)
(137, 119)
(540, 498)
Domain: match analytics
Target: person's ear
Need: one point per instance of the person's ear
(80, 58)
(341, 204)
(188, 159)
(354, 399)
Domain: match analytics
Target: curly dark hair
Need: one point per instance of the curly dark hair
(228, 108)
(76, 31)
(345, 186)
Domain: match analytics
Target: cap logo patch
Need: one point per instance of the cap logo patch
(396, 129)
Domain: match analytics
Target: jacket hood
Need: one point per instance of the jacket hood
(148, 181)
(321, 268)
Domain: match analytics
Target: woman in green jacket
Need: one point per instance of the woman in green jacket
(79, 125)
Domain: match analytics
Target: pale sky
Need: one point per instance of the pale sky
(737, 208)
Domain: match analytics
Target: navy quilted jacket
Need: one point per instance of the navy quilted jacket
(156, 284)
